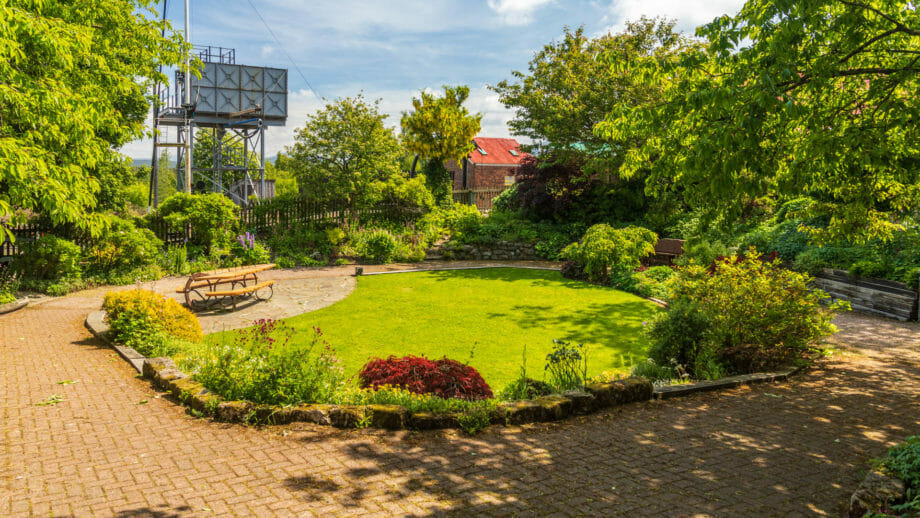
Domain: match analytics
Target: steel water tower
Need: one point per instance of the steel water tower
(231, 105)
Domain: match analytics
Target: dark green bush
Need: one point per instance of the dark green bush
(49, 258)
(682, 336)
(213, 218)
(761, 315)
(122, 249)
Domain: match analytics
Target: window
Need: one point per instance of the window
(509, 180)
(482, 151)
(513, 152)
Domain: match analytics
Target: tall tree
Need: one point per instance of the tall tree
(572, 84)
(439, 129)
(342, 149)
(74, 79)
(791, 98)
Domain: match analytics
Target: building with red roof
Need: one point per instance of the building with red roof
(492, 165)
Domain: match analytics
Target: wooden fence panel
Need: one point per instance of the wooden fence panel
(481, 198)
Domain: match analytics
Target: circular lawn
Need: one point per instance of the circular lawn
(484, 317)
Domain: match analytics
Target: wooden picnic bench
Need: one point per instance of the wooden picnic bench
(205, 290)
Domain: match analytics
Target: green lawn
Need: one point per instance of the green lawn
(492, 313)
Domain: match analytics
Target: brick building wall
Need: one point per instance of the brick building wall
(480, 176)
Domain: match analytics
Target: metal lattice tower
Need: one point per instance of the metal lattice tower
(231, 106)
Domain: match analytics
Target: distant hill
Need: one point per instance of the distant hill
(139, 162)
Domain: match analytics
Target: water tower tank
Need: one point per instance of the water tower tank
(224, 89)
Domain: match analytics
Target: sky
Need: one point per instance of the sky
(391, 50)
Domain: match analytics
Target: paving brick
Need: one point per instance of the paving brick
(786, 449)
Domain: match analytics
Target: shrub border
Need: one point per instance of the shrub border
(164, 375)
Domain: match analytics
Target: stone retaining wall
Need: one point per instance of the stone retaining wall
(502, 250)
(164, 375)
(877, 296)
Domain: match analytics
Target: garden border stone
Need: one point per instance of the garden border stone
(164, 375)
(875, 491)
(95, 322)
(671, 391)
(9, 307)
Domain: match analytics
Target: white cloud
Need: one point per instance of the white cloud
(266, 51)
(516, 12)
(689, 13)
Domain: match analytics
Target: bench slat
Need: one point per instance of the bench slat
(239, 291)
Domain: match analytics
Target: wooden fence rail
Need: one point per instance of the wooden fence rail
(482, 198)
(270, 217)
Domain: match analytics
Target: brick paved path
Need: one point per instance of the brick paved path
(112, 447)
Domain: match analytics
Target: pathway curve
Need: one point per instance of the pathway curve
(112, 446)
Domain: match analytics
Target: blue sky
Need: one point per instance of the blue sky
(391, 50)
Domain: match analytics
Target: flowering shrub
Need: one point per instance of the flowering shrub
(444, 378)
(246, 251)
(140, 318)
(260, 364)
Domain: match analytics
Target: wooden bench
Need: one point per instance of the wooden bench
(244, 291)
(204, 290)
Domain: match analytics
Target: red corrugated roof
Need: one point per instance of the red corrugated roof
(497, 151)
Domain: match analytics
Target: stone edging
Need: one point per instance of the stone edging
(672, 391)
(164, 375)
(9, 307)
(95, 322)
(876, 491)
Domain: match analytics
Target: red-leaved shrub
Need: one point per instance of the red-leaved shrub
(444, 378)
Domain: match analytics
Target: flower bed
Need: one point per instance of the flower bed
(166, 376)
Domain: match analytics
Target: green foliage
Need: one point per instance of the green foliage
(903, 461)
(439, 129)
(410, 400)
(246, 251)
(376, 245)
(73, 85)
(811, 99)
(761, 314)
(437, 180)
(506, 201)
(403, 199)
(262, 364)
(49, 258)
(152, 324)
(681, 337)
(122, 249)
(655, 282)
(567, 366)
(604, 249)
(572, 84)
(214, 219)
(343, 149)
(522, 387)
(475, 419)
(653, 371)
(175, 260)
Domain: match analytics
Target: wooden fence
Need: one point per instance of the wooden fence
(260, 219)
(482, 198)
(877, 296)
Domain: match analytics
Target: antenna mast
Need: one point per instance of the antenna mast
(188, 104)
